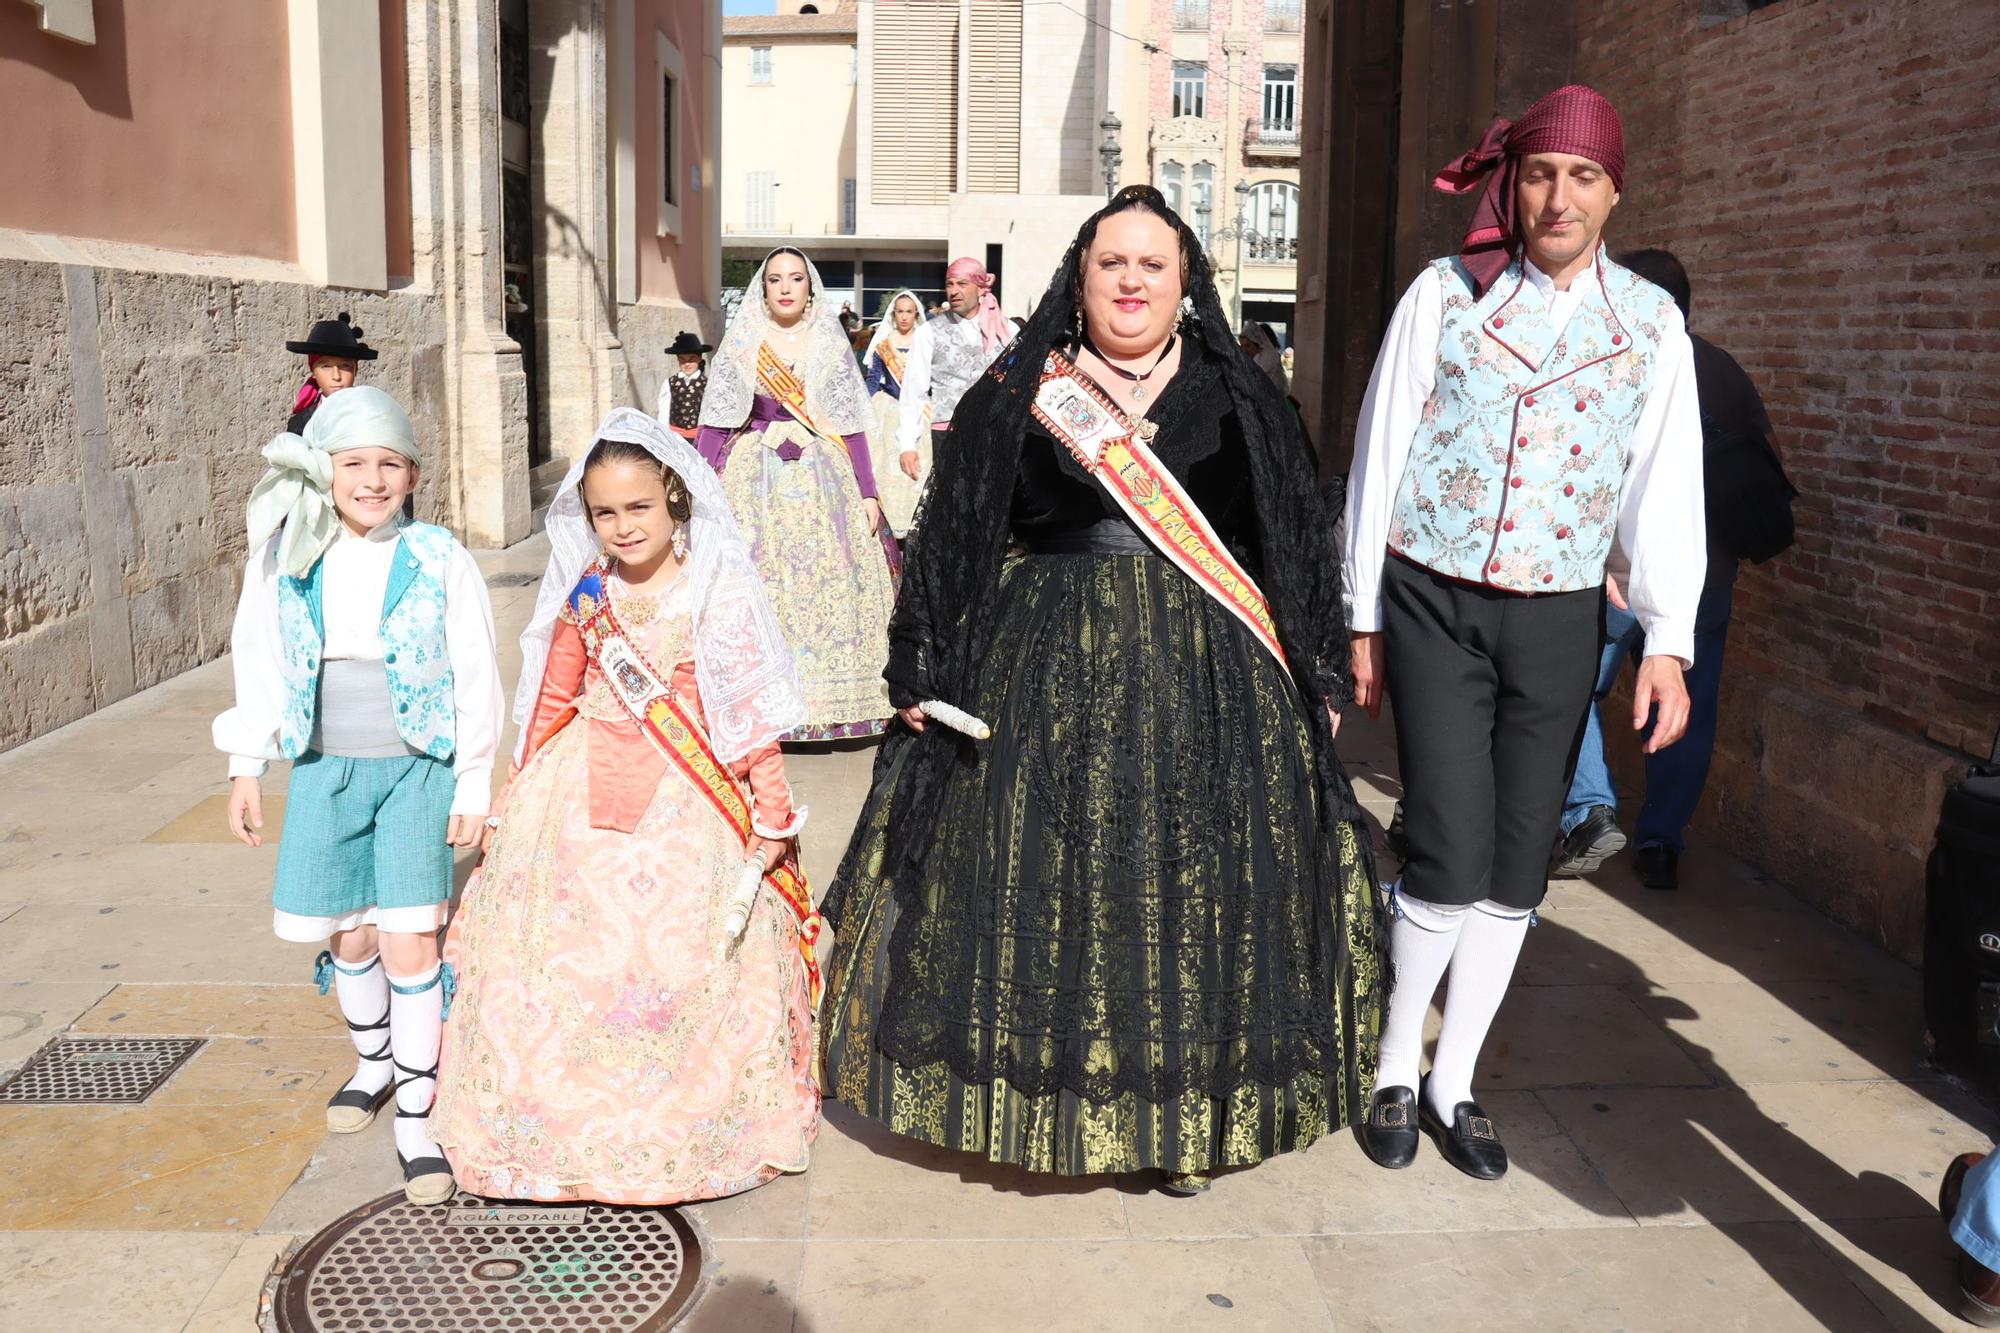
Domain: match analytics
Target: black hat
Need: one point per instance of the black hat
(687, 343)
(333, 337)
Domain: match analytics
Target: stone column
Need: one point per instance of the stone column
(583, 369)
(455, 204)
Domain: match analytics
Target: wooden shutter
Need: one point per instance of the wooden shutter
(993, 111)
(913, 132)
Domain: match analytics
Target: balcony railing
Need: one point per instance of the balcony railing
(1281, 131)
(1281, 15)
(1271, 250)
(1191, 15)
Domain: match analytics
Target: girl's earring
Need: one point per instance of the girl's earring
(1187, 311)
(681, 542)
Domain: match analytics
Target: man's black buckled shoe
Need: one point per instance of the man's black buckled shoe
(1470, 1142)
(1389, 1135)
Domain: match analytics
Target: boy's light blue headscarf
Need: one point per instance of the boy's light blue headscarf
(295, 494)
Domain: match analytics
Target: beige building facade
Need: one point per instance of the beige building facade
(516, 202)
(970, 128)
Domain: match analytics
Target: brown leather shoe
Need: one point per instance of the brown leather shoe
(1978, 1292)
(1953, 1184)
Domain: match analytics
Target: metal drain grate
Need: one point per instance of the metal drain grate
(391, 1266)
(96, 1071)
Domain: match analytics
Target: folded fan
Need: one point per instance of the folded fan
(960, 721)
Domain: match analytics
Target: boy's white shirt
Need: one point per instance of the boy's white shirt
(352, 587)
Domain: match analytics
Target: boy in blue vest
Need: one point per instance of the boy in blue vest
(364, 653)
(1532, 406)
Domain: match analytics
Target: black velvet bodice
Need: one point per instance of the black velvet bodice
(1200, 441)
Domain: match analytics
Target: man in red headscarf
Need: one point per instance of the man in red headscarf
(1532, 408)
(947, 354)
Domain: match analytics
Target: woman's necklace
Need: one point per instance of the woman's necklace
(1138, 380)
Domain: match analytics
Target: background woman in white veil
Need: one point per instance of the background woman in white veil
(786, 422)
(888, 357)
(603, 1044)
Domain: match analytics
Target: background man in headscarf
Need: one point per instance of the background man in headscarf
(1533, 404)
(947, 355)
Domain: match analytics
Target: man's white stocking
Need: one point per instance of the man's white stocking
(1481, 966)
(1421, 942)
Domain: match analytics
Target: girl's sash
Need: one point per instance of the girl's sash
(1077, 413)
(778, 379)
(676, 734)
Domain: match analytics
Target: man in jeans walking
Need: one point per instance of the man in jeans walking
(1675, 776)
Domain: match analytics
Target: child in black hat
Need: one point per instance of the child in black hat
(334, 352)
(684, 388)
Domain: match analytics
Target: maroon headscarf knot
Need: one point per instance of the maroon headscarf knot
(1572, 119)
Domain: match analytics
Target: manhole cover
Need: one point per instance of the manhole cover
(512, 580)
(97, 1070)
(391, 1266)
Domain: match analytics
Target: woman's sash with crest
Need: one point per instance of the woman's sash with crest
(1109, 447)
(780, 381)
(892, 361)
(675, 732)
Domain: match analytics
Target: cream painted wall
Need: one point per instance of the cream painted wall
(1034, 231)
(800, 127)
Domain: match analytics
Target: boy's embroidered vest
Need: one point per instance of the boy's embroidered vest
(416, 658)
(1518, 467)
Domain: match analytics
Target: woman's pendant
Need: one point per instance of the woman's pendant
(1138, 393)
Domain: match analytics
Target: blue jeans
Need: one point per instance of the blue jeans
(1676, 775)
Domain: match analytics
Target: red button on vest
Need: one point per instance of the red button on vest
(1548, 578)
(1516, 483)
(1522, 442)
(1617, 339)
(1569, 490)
(1529, 400)
(1494, 567)
(1499, 323)
(1508, 526)
(1581, 404)
(1575, 449)
(1562, 534)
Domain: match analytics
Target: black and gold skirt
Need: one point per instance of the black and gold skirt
(1132, 942)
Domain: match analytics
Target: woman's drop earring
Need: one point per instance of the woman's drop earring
(681, 542)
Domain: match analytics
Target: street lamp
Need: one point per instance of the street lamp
(1242, 236)
(1109, 151)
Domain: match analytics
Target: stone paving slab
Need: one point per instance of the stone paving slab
(1759, 1278)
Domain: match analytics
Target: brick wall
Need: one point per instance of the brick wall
(1827, 171)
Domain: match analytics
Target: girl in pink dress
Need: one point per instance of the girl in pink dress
(616, 1035)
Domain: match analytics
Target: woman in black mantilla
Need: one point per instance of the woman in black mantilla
(1137, 928)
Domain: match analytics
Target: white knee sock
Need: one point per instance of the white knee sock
(416, 1030)
(363, 992)
(1420, 945)
(1481, 966)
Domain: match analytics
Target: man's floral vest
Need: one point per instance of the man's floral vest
(416, 658)
(1518, 467)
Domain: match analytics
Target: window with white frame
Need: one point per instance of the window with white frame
(848, 200)
(760, 64)
(1281, 104)
(760, 202)
(669, 117)
(1273, 219)
(1173, 184)
(1191, 15)
(1190, 88)
(1281, 15)
(1201, 199)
